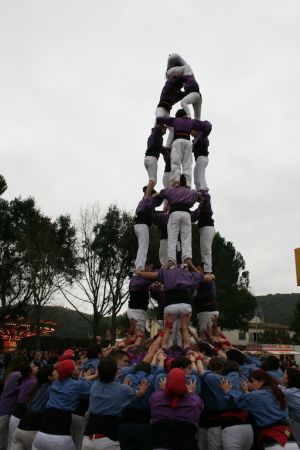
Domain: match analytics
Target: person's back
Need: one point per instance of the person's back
(175, 413)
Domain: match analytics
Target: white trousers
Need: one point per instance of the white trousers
(238, 437)
(194, 99)
(181, 155)
(205, 320)
(179, 223)
(150, 163)
(288, 446)
(199, 173)
(207, 235)
(4, 421)
(166, 179)
(166, 184)
(142, 233)
(22, 439)
(214, 438)
(102, 443)
(163, 251)
(77, 429)
(162, 112)
(176, 310)
(13, 425)
(43, 441)
(139, 315)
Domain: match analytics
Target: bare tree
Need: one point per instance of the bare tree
(90, 287)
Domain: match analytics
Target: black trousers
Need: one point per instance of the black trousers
(134, 436)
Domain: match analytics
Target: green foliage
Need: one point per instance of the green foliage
(275, 337)
(3, 185)
(277, 308)
(37, 255)
(236, 303)
(16, 222)
(295, 325)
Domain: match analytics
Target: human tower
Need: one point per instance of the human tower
(177, 286)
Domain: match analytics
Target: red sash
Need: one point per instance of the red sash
(280, 434)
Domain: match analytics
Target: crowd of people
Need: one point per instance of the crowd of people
(184, 388)
(144, 394)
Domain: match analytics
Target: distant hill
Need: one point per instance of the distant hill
(277, 308)
(69, 322)
(273, 308)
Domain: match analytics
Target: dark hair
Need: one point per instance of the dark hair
(139, 350)
(230, 366)
(142, 366)
(237, 356)
(43, 374)
(175, 348)
(204, 347)
(270, 363)
(180, 113)
(216, 364)
(293, 376)
(16, 364)
(107, 369)
(268, 381)
(181, 362)
(93, 350)
(118, 354)
(145, 189)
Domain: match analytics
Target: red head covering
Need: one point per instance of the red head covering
(64, 368)
(175, 386)
(168, 364)
(67, 354)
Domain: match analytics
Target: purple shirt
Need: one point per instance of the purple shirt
(206, 205)
(26, 388)
(154, 143)
(159, 295)
(147, 204)
(171, 93)
(8, 399)
(160, 219)
(188, 409)
(138, 283)
(184, 125)
(190, 84)
(180, 195)
(179, 279)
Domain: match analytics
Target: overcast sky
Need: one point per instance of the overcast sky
(79, 84)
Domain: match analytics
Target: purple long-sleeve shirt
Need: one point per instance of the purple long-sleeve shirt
(138, 283)
(147, 204)
(171, 93)
(26, 388)
(205, 297)
(180, 195)
(158, 294)
(188, 409)
(183, 126)
(200, 146)
(154, 143)
(160, 219)
(190, 84)
(206, 205)
(8, 399)
(179, 279)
